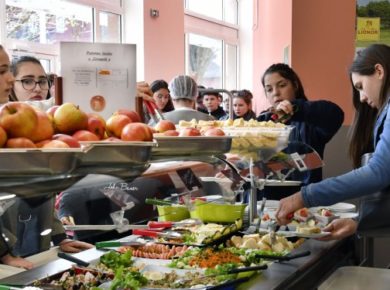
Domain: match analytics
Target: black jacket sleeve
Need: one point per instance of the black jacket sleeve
(323, 116)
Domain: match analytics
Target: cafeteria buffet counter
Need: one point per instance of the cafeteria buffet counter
(302, 273)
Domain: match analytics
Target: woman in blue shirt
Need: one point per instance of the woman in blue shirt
(370, 79)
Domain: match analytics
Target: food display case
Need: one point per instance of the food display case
(146, 170)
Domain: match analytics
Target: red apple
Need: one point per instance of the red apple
(96, 126)
(171, 133)
(137, 132)
(85, 135)
(72, 142)
(214, 132)
(133, 115)
(3, 137)
(55, 144)
(52, 110)
(68, 118)
(113, 139)
(205, 128)
(164, 125)
(41, 143)
(20, 142)
(18, 119)
(44, 128)
(189, 131)
(96, 115)
(115, 125)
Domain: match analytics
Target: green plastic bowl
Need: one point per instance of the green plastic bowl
(217, 213)
(172, 213)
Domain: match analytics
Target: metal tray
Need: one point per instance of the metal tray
(116, 158)
(38, 162)
(191, 146)
(33, 186)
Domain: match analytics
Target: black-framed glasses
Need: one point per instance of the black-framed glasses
(30, 84)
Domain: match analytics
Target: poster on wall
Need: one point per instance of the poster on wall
(99, 77)
(372, 22)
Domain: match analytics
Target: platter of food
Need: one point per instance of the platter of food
(199, 235)
(170, 146)
(309, 235)
(115, 270)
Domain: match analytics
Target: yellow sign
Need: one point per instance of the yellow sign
(368, 29)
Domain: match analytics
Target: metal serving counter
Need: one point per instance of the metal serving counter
(303, 273)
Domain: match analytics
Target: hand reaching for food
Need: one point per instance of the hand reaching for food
(287, 206)
(283, 111)
(71, 246)
(144, 91)
(67, 220)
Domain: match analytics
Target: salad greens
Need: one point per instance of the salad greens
(128, 280)
(115, 260)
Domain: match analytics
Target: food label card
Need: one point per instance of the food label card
(99, 77)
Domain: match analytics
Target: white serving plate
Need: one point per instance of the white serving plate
(348, 215)
(342, 207)
(299, 235)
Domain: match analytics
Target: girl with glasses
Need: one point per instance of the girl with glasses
(31, 83)
(33, 217)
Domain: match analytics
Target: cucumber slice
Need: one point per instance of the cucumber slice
(233, 228)
(217, 235)
(225, 231)
(207, 240)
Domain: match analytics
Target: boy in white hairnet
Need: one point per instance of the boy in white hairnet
(184, 91)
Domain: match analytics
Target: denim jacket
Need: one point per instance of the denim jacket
(368, 179)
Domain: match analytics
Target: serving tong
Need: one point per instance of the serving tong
(155, 234)
(287, 257)
(153, 111)
(181, 281)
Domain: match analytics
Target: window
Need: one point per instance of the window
(36, 21)
(205, 60)
(231, 67)
(212, 44)
(108, 27)
(224, 10)
(36, 27)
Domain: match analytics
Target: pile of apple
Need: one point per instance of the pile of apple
(24, 126)
(168, 128)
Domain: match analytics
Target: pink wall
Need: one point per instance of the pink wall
(164, 39)
(272, 35)
(323, 48)
(321, 38)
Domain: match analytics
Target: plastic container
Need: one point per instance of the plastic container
(172, 213)
(217, 213)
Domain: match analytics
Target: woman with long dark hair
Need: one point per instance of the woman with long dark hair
(370, 79)
(314, 122)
